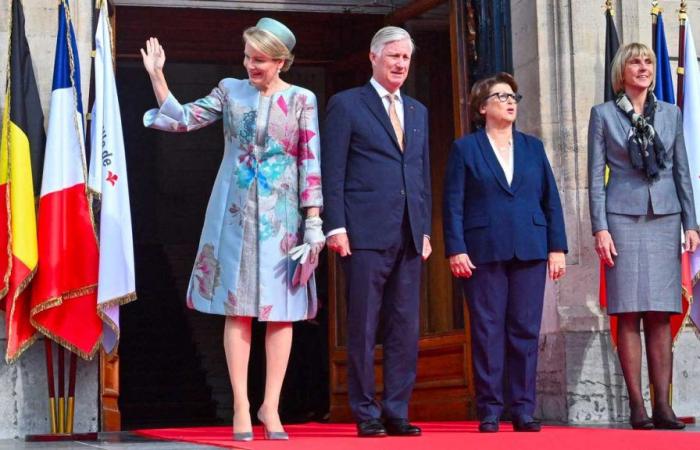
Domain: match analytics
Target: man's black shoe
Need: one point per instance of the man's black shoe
(401, 427)
(526, 423)
(489, 424)
(371, 428)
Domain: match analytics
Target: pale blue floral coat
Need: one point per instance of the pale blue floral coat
(286, 171)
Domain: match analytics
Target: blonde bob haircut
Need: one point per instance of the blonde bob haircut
(623, 55)
(269, 44)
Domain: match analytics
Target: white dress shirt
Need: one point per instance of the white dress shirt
(383, 93)
(507, 162)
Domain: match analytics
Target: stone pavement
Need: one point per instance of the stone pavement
(111, 441)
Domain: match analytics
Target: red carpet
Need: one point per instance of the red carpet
(440, 435)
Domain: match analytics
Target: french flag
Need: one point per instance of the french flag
(64, 294)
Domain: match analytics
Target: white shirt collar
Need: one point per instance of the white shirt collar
(382, 91)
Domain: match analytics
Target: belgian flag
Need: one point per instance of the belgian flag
(21, 163)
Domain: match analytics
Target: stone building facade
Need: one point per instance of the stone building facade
(558, 49)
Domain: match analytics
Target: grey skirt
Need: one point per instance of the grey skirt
(647, 271)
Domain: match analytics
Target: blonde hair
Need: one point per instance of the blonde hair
(624, 54)
(269, 44)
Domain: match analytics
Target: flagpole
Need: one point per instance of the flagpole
(682, 17)
(61, 391)
(655, 10)
(71, 392)
(50, 379)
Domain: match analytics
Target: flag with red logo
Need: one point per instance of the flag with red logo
(107, 179)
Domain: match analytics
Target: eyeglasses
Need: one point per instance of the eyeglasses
(504, 96)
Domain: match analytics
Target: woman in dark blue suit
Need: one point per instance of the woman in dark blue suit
(504, 229)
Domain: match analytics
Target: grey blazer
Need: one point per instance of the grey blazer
(628, 191)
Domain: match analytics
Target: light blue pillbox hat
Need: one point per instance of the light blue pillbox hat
(279, 30)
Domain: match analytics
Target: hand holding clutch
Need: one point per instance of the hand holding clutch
(306, 261)
(306, 254)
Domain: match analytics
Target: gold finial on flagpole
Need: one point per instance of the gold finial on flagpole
(655, 9)
(683, 12)
(608, 6)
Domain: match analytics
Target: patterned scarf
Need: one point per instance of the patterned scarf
(646, 151)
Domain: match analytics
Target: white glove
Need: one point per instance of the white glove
(300, 252)
(313, 234)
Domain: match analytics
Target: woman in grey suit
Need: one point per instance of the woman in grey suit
(636, 221)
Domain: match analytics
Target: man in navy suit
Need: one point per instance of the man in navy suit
(377, 208)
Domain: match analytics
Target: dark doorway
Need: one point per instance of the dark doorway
(173, 369)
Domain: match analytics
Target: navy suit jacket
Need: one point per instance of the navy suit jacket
(368, 182)
(491, 221)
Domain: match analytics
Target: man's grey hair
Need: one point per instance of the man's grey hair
(387, 35)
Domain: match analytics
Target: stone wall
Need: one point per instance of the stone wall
(558, 50)
(23, 394)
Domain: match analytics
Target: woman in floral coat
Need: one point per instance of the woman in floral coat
(268, 181)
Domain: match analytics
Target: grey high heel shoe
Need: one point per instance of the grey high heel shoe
(245, 436)
(272, 435)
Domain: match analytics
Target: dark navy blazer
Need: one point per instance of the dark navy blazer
(491, 221)
(368, 182)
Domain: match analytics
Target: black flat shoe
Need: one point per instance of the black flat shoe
(371, 428)
(489, 424)
(644, 424)
(665, 423)
(401, 427)
(526, 424)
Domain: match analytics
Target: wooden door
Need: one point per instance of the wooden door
(444, 388)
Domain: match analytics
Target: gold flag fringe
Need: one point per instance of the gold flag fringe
(6, 134)
(11, 337)
(688, 296)
(57, 301)
(117, 301)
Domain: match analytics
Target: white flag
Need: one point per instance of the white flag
(108, 178)
(691, 130)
